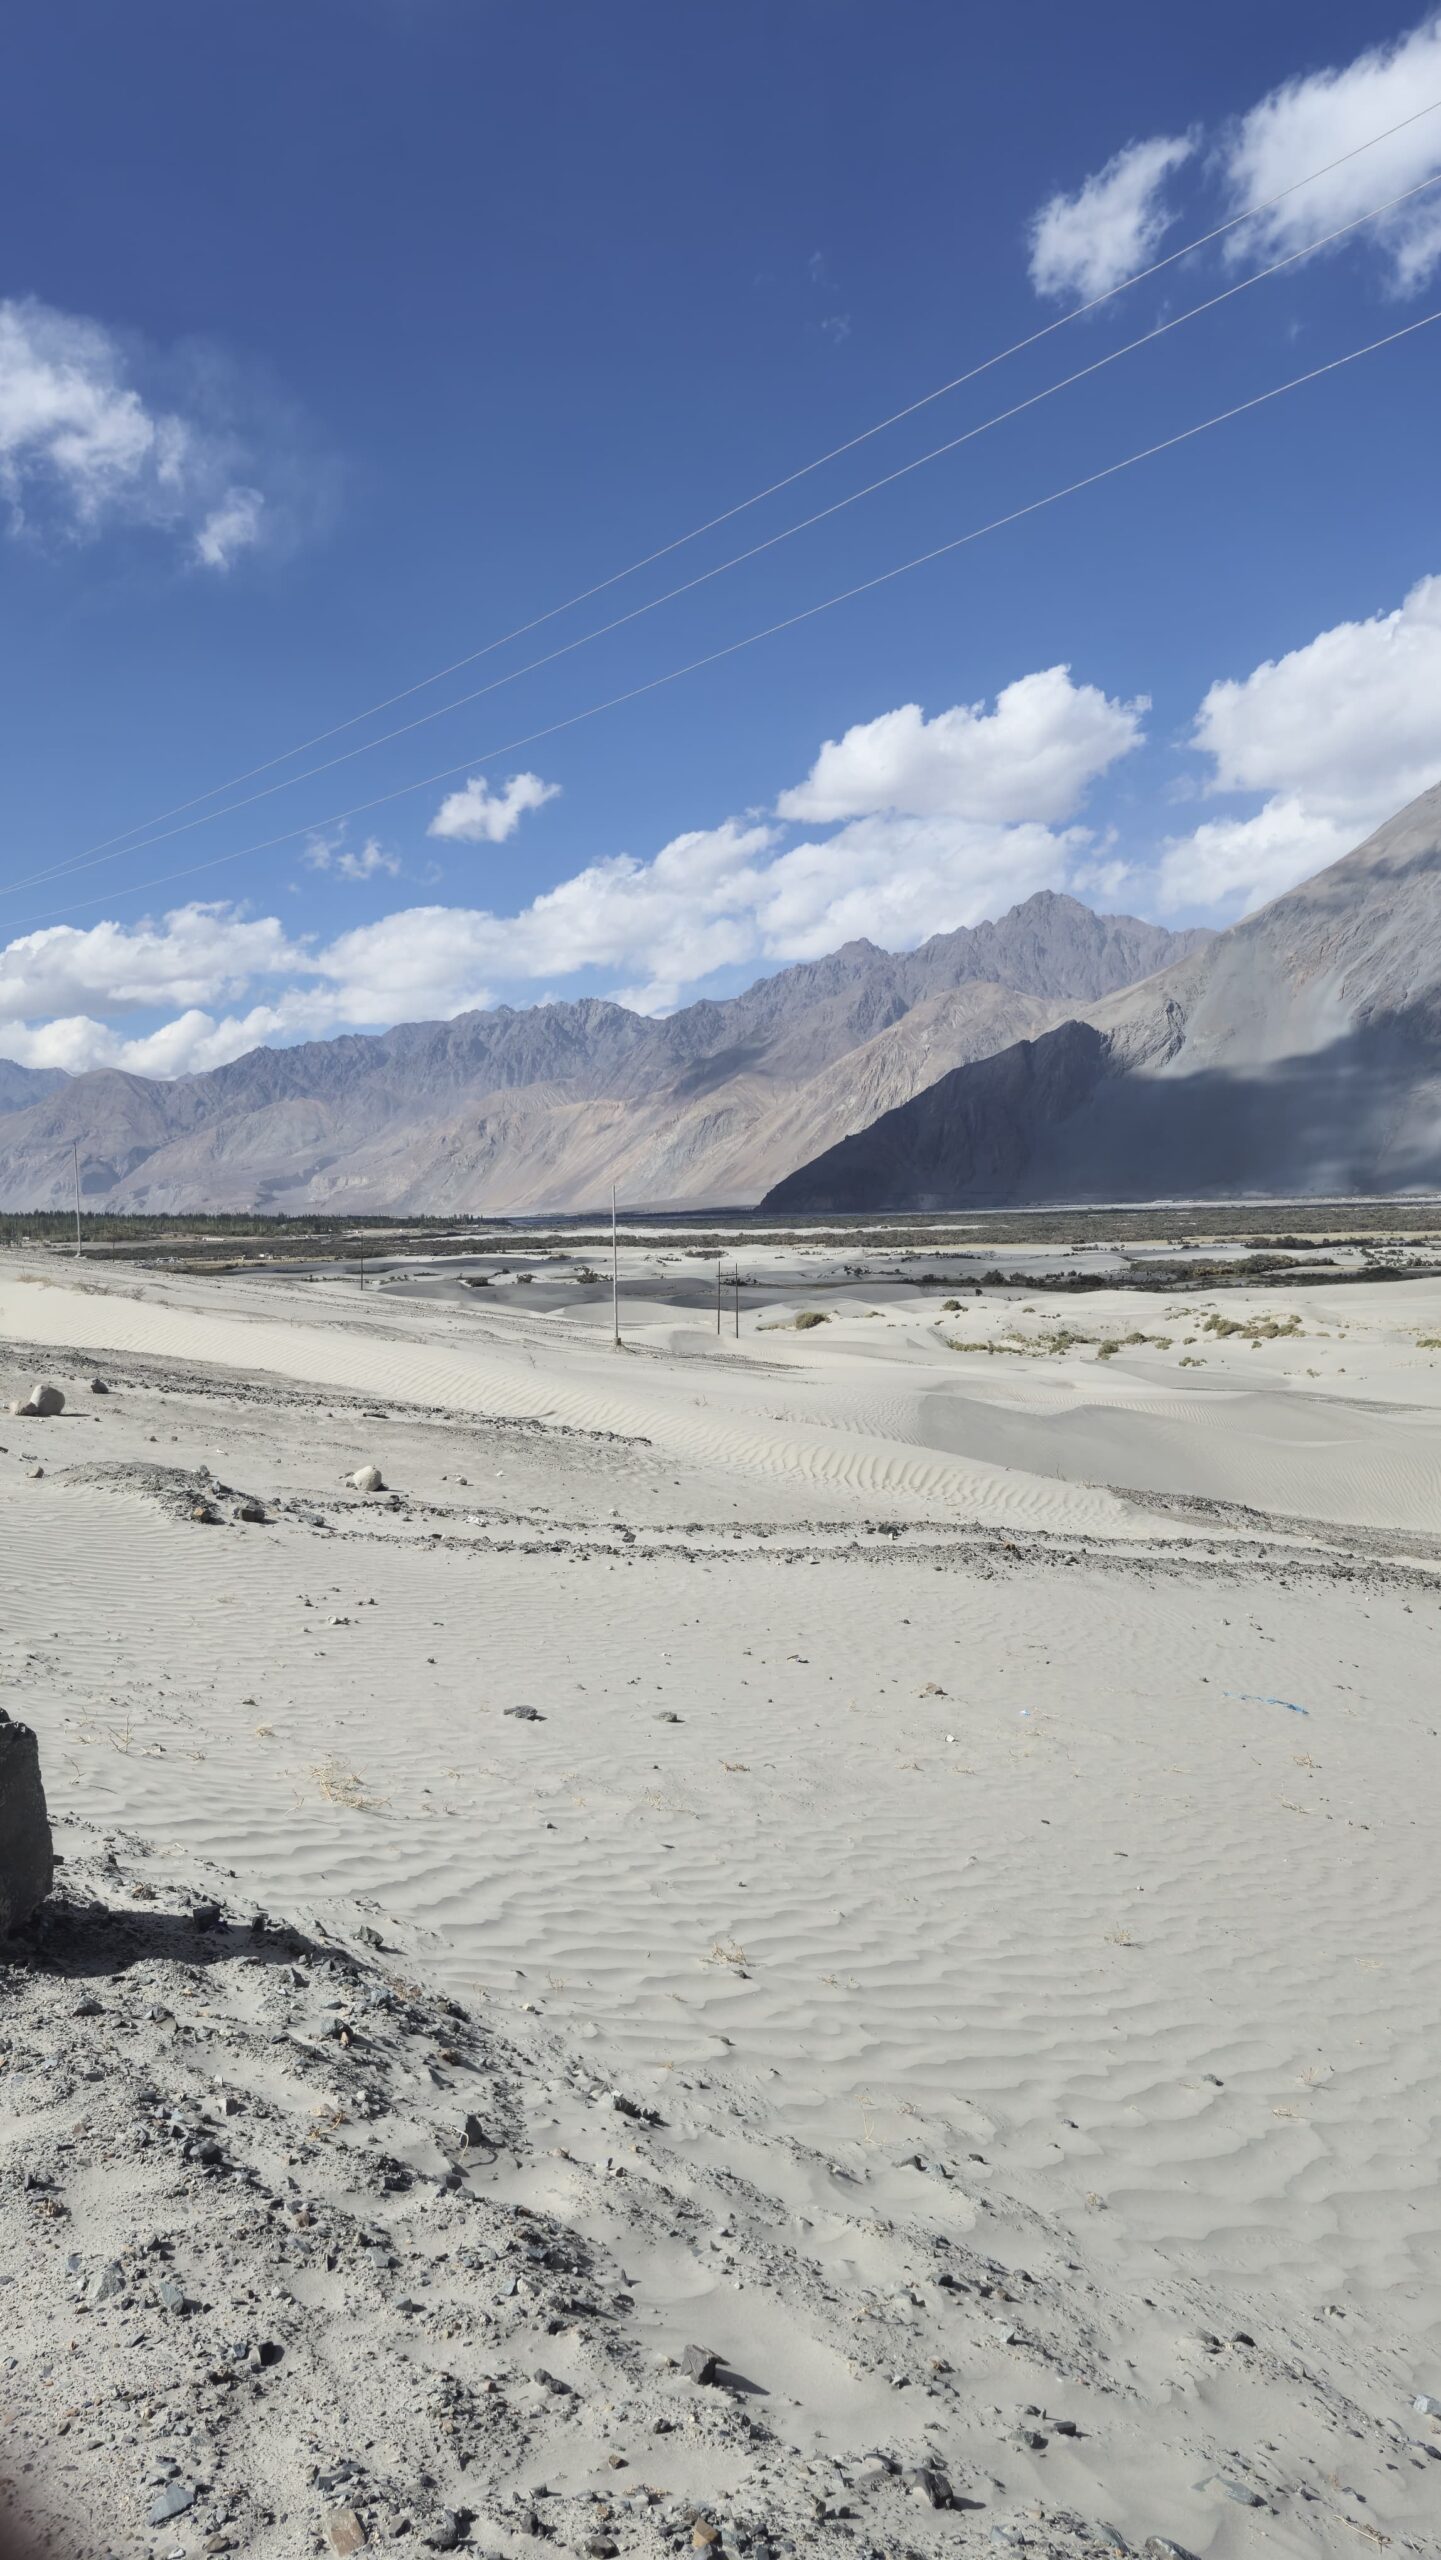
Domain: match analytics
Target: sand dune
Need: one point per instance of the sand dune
(1079, 1848)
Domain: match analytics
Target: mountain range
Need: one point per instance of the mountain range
(1299, 1051)
(542, 1108)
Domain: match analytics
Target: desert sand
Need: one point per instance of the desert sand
(975, 1809)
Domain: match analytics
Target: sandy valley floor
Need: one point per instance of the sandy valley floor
(977, 1797)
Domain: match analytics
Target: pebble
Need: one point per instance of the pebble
(1426, 2406)
(344, 2531)
(700, 2364)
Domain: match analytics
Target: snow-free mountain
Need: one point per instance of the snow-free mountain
(543, 1108)
(1300, 1051)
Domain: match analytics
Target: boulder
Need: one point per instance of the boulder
(27, 1864)
(44, 1400)
(368, 1480)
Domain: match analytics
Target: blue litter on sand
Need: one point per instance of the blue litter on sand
(1247, 1700)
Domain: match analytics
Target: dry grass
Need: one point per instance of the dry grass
(339, 1785)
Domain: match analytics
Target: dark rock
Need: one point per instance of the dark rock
(43, 1401)
(205, 1915)
(174, 2501)
(98, 1387)
(700, 2364)
(527, 1715)
(27, 1859)
(252, 1511)
(932, 2485)
(443, 2531)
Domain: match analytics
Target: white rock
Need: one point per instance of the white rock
(368, 1480)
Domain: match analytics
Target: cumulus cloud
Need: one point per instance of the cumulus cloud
(1032, 757)
(478, 815)
(1308, 122)
(83, 447)
(930, 824)
(1340, 734)
(1082, 245)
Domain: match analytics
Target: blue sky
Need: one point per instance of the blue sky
(340, 338)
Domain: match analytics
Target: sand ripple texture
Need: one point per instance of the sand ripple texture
(1036, 1866)
(1083, 1857)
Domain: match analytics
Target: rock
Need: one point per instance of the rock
(344, 2531)
(252, 1511)
(170, 2295)
(33, 1472)
(205, 1915)
(443, 2531)
(98, 1387)
(932, 2485)
(173, 2501)
(368, 1480)
(43, 1401)
(704, 2536)
(472, 2137)
(1161, 2547)
(107, 2282)
(527, 1715)
(27, 1859)
(700, 2364)
(1426, 2406)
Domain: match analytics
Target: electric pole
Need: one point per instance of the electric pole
(614, 1270)
(75, 1151)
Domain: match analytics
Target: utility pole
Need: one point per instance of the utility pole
(614, 1270)
(717, 1300)
(737, 1276)
(75, 1151)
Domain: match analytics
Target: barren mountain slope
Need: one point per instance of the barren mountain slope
(542, 1108)
(1300, 1051)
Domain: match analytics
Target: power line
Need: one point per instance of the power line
(96, 859)
(788, 622)
(585, 595)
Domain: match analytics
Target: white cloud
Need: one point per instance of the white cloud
(1030, 758)
(1310, 121)
(478, 815)
(198, 955)
(330, 853)
(1340, 733)
(82, 448)
(234, 526)
(941, 822)
(1236, 864)
(1082, 245)
(1352, 722)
